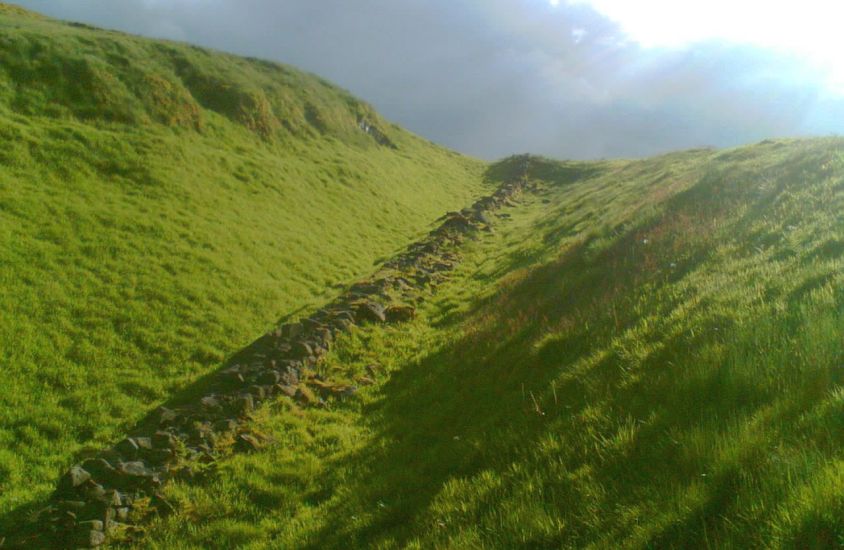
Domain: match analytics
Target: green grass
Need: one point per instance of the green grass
(645, 355)
(143, 241)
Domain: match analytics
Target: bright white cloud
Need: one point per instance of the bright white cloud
(810, 28)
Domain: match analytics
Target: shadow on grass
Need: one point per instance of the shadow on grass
(539, 355)
(20, 521)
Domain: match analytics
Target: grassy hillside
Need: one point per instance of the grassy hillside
(160, 206)
(643, 355)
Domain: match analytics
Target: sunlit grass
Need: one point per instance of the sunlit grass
(617, 366)
(138, 251)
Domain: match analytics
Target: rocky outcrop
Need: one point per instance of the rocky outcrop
(106, 495)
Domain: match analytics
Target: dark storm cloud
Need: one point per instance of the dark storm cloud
(494, 77)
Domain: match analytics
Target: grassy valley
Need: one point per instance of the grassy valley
(630, 354)
(644, 355)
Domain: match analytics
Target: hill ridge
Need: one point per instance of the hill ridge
(142, 82)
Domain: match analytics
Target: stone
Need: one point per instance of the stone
(100, 469)
(202, 430)
(90, 525)
(399, 313)
(111, 525)
(94, 492)
(159, 456)
(247, 443)
(301, 350)
(345, 314)
(342, 324)
(90, 539)
(112, 498)
(143, 442)
(324, 336)
(402, 284)
(290, 376)
(71, 505)
(95, 509)
(73, 478)
(164, 440)
(227, 425)
(136, 469)
(122, 514)
(233, 374)
(371, 311)
(244, 404)
(211, 401)
(289, 391)
(319, 349)
(282, 350)
(128, 448)
(269, 377)
(292, 330)
(457, 222)
(311, 325)
(291, 365)
(111, 455)
(167, 416)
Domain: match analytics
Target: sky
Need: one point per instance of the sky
(580, 79)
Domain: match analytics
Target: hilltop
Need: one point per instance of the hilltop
(241, 309)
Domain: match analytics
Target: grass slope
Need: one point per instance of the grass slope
(160, 206)
(645, 355)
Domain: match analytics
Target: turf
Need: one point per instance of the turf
(645, 355)
(142, 242)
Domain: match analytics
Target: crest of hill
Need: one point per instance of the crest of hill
(11, 9)
(71, 70)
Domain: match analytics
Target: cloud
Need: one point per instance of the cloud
(501, 76)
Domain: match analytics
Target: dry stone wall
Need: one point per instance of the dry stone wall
(108, 495)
